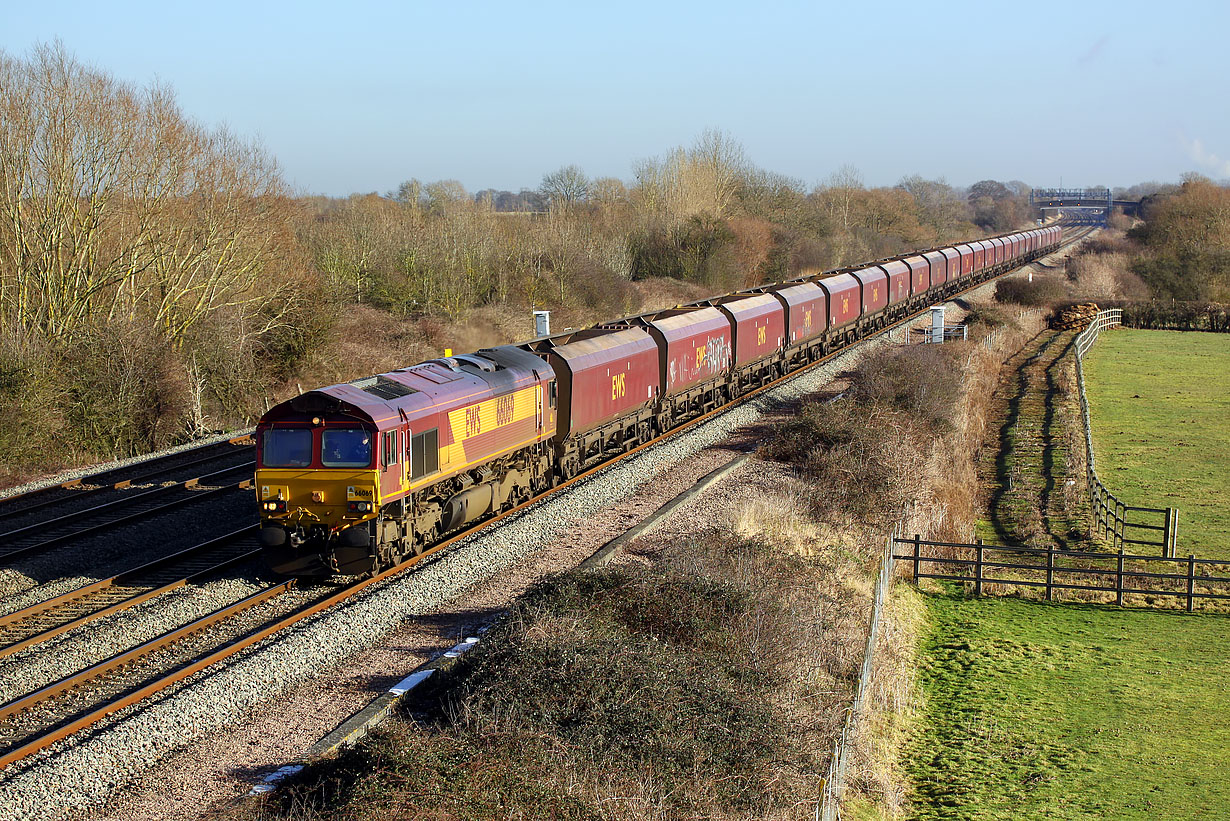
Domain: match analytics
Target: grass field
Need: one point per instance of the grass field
(1160, 404)
(1037, 710)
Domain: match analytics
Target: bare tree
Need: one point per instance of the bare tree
(114, 205)
(704, 179)
(718, 162)
(938, 205)
(608, 192)
(838, 193)
(565, 187)
(410, 193)
(445, 197)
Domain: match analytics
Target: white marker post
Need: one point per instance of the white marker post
(542, 323)
(937, 324)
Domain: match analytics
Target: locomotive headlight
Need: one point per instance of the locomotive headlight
(360, 507)
(278, 506)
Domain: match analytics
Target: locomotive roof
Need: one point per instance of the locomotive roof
(418, 388)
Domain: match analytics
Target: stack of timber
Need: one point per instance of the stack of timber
(1075, 317)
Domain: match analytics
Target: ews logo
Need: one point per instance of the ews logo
(760, 335)
(474, 421)
(619, 385)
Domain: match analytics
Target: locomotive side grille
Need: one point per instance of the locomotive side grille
(383, 387)
(425, 454)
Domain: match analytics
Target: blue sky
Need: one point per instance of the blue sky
(359, 96)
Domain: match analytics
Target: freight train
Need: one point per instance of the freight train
(357, 477)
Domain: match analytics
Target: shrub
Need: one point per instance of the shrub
(124, 390)
(921, 380)
(987, 315)
(1180, 316)
(867, 461)
(1041, 292)
(685, 690)
(686, 251)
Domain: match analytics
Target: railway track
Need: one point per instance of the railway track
(41, 536)
(94, 486)
(35, 721)
(46, 620)
(57, 710)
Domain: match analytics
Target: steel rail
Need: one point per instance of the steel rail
(118, 504)
(126, 659)
(103, 591)
(98, 478)
(123, 484)
(24, 551)
(42, 742)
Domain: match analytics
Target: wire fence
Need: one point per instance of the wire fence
(834, 784)
(1112, 517)
(990, 340)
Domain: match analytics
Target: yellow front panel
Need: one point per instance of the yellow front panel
(321, 496)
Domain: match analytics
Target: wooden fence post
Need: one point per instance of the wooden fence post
(1166, 535)
(916, 558)
(978, 573)
(1119, 580)
(1191, 582)
(1050, 570)
(1174, 530)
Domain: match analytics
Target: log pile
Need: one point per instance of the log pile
(1075, 317)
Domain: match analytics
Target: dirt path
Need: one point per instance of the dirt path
(1032, 475)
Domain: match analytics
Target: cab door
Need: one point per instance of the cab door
(392, 467)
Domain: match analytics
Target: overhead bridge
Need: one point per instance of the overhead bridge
(1081, 204)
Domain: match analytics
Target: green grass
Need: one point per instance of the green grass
(1160, 404)
(1037, 710)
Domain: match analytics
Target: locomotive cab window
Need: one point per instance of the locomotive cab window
(388, 448)
(424, 454)
(286, 448)
(346, 448)
(551, 393)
